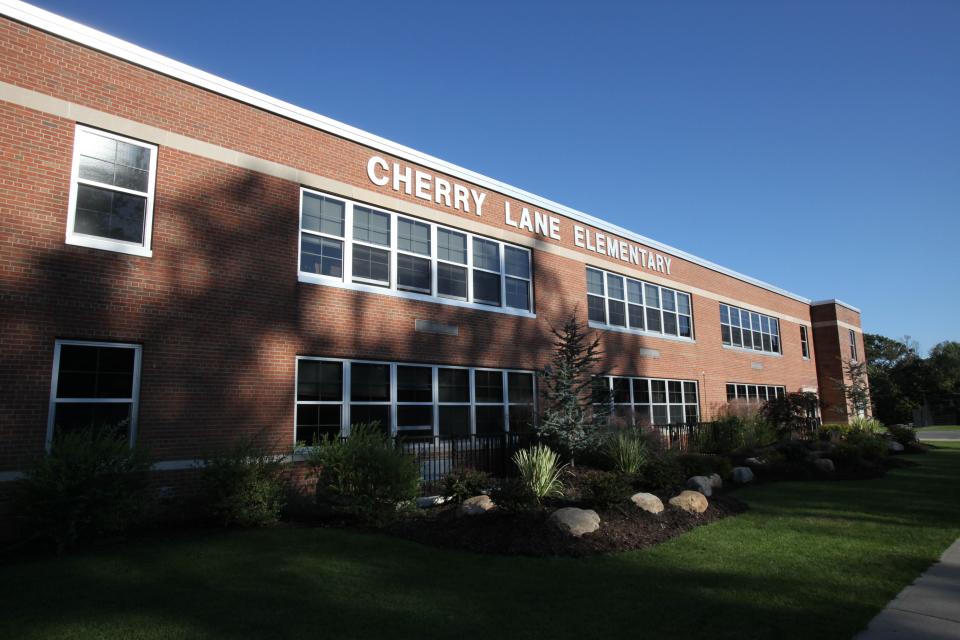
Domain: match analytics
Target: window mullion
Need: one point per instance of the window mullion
(471, 380)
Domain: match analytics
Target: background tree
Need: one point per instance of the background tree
(855, 385)
(570, 421)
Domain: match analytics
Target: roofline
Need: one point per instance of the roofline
(817, 303)
(94, 39)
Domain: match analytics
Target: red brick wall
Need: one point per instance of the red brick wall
(218, 308)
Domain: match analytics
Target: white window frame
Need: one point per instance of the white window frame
(347, 281)
(110, 244)
(393, 403)
(133, 401)
(626, 328)
(804, 342)
(779, 392)
(854, 350)
(634, 401)
(771, 320)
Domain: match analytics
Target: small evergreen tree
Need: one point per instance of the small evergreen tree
(571, 422)
(857, 390)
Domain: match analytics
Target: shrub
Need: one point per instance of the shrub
(834, 431)
(245, 486)
(872, 446)
(605, 489)
(662, 472)
(92, 483)
(464, 483)
(513, 494)
(628, 452)
(704, 464)
(540, 470)
(732, 432)
(365, 474)
(866, 425)
(903, 434)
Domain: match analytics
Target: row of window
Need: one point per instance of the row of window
(753, 392)
(749, 329)
(649, 401)
(616, 301)
(344, 241)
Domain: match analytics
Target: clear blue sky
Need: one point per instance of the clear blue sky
(813, 145)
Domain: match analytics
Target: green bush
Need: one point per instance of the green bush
(605, 488)
(731, 432)
(903, 434)
(662, 472)
(513, 494)
(704, 464)
(245, 486)
(866, 425)
(92, 483)
(464, 483)
(540, 470)
(871, 445)
(834, 431)
(365, 474)
(628, 452)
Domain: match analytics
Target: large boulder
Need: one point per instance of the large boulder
(824, 464)
(574, 521)
(430, 501)
(894, 447)
(701, 484)
(716, 481)
(477, 505)
(742, 475)
(648, 502)
(692, 501)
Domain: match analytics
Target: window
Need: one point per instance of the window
(624, 303)
(410, 400)
(96, 385)
(343, 243)
(753, 393)
(804, 343)
(646, 401)
(853, 345)
(749, 330)
(111, 192)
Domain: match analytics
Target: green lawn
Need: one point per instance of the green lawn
(810, 560)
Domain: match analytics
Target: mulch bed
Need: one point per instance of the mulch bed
(622, 528)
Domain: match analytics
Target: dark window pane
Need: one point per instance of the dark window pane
(653, 320)
(775, 346)
(520, 387)
(741, 391)
(621, 390)
(110, 214)
(596, 309)
(677, 415)
(488, 386)
(371, 226)
(114, 417)
(486, 287)
(641, 393)
(413, 236)
(517, 262)
(370, 263)
(316, 421)
(370, 382)
(670, 323)
(635, 316)
(676, 391)
(518, 294)
(594, 282)
(683, 303)
(725, 334)
(95, 372)
(413, 274)
(618, 313)
(521, 418)
(451, 246)
(731, 392)
(660, 414)
(757, 341)
(489, 420)
(372, 414)
(686, 329)
(600, 389)
(668, 300)
(454, 385)
(323, 214)
(414, 384)
(417, 416)
(641, 415)
(486, 255)
(766, 343)
(724, 314)
(634, 292)
(320, 255)
(692, 415)
(658, 390)
(318, 380)
(690, 392)
(735, 337)
(451, 280)
(614, 287)
(653, 296)
(454, 421)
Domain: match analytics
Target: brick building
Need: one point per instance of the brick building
(193, 260)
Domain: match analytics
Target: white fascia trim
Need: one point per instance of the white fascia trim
(86, 36)
(817, 303)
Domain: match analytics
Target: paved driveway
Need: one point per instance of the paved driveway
(939, 435)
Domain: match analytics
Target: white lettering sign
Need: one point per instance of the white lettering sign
(620, 250)
(423, 185)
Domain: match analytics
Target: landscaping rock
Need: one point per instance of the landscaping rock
(701, 484)
(742, 475)
(716, 481)
(692, 501)
(754, 462)
(824, 464)
(574, 521)
(430, 501)
(477, 505)
(894, 447)
(648, 502)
